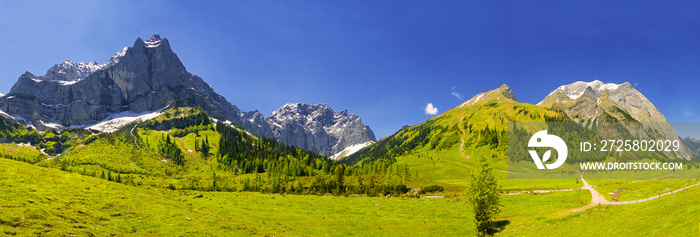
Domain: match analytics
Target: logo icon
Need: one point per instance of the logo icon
(541, 139)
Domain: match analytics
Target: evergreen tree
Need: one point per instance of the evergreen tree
(339, 173)
(483, 193)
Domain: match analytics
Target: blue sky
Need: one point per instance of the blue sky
(384, 60)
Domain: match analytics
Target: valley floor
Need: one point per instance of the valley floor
(50, 202)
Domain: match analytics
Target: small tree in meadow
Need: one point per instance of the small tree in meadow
(484, 193)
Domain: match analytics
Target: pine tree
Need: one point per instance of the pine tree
(483, 193)
(339, 172)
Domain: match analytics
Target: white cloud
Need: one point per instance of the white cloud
(430, 109)
(686, 113)
(458, 96)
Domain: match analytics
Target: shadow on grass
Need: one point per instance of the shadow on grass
(498, 226)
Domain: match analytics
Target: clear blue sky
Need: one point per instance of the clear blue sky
(384, 60)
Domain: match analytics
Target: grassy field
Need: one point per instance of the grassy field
(51, 202)
(675, 215)
(640, 189)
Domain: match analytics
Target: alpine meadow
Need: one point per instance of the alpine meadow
(140, 146)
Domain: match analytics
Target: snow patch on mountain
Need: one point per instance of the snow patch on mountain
(350, 150)
(154, 41)
(116, 121)
(5, 114)
(576, 89)
(473, 100)
(53, 126)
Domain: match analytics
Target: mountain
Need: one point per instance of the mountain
(318, 128)
(476, 127)
(147, 76)
(594, 102)
(139, 81)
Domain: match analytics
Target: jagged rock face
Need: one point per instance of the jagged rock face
(68, 71)
(148, 77)
(593, 102)
(318, 128)
(145, 77)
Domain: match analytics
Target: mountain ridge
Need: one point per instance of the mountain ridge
(595, 102)
(141, 79)
(318, 128)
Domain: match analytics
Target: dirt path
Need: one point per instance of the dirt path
(598, 199)
(541, 191)
(464, 134)
(136, 139)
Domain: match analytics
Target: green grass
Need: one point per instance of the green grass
(527, 210)
(635, 190)
(53, 202)
(22, 153)
(516, 185)
(674, 215)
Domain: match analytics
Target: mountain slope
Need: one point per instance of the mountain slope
(595, 102)
(318, 128)
(693, 144)
(477, 127)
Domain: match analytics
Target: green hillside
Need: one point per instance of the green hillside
(145, 178)
(183, 149)
(440, 150)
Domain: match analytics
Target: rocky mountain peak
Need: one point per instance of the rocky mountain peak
(598, 101)
(507, 92)
(149, 76)
(145, 77)
(576, 89)
(154, 38)
(69, 71)
(503, 92)
(317, 127)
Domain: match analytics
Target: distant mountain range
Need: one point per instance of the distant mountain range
(149, 76)
(479, 124)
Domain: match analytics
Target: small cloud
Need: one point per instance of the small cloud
(430, 109)
(636, 84)
(458, 96)
(685, 113)
(455, 94)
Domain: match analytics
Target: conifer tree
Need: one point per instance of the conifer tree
(483, 193)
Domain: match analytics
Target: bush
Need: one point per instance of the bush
(432, 189)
